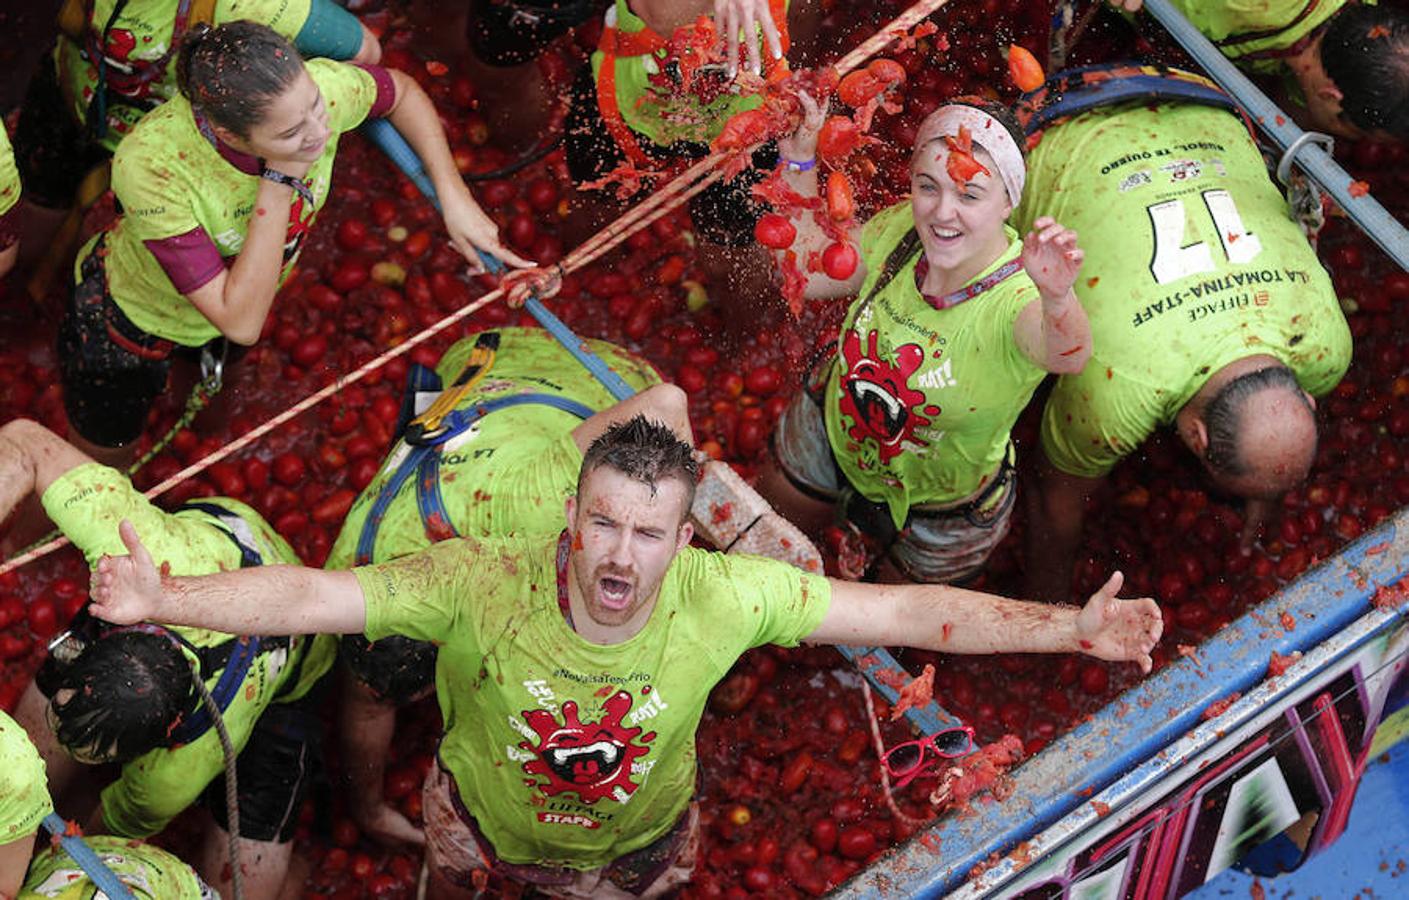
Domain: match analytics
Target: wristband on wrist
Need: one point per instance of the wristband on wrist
(297, 184)
(803, 165)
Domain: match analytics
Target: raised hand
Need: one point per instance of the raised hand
(801, 145)
(1051, 257)
(1119, 630)
(733, 17)
(126, 589)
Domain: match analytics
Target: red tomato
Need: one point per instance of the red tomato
(839, 261)
(840, 205)
(352, 234)
(887, 70)
(289, 469)
(43, 620)
(837, 140)
(309, 350)
(856, 843)
(775, 231)
(1024, 69)
(857, 88)
(762, 380)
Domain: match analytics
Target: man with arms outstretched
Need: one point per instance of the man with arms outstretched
(573, 672)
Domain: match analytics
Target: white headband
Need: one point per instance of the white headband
(986, 132)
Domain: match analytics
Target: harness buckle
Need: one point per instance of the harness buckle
(213, 369)
(1304, 196)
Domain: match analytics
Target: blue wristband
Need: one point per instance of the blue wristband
(806, 165)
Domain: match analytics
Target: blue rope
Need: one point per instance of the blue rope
(1365, 211)
(96, 870)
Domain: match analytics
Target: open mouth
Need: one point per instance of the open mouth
(881, 410)
(584, 764)
(615, 592)
(945, 235)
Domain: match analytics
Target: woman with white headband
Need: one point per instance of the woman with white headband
(905, 431)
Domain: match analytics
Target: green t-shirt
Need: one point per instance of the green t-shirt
(566, 752)
(171, 180)
(140, 36)
(149, 872)
(920, 402)
(24, 789)
(663, 120)
(1192, 262)
(9, 175)
(1243, 27)
(87, 503)
(512, 471)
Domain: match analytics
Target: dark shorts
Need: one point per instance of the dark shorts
(53, 150)
(273, 771)
(723, 213)
(113, 371)
(513, 32)
(397, 669)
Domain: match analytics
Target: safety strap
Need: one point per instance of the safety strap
(126, 76)
(243, 648)
(615, 43)
(103, 878)
(1076, 91)
(424, 462)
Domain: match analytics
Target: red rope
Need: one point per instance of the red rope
(669, 197)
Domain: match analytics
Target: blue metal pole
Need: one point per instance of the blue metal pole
(929, 719)
(97, 872)
(1365, 211)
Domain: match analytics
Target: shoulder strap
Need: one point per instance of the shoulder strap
(909, 245)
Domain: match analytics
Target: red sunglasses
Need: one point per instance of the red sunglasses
(908, 760)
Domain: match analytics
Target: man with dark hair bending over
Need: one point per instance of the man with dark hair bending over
(1209, 310)
(126, 695)
(573, 671)
(1345, 65)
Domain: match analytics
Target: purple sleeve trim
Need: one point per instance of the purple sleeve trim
(190, 260)
(9, 227)
(386, 90)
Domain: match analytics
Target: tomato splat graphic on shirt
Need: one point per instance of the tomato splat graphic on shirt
(877, 396)
(590, 759)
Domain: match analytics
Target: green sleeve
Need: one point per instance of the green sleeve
(420, 596)
(24, 789)
(89, 501)
(781, 604)
(348, 92)
(9, 175)
(284, 16)
(1093, 420)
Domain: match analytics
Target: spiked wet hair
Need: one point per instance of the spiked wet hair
(645, 451)
(1366, 53)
